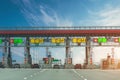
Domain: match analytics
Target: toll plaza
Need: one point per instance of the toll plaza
(66, 37)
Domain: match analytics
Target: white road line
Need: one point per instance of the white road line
(25, 78)
(76, 72)
(35, 73)
(79, 74)
(43, 70)
(31, 75)
(82, 76)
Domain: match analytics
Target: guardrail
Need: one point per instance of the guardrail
(62, 28)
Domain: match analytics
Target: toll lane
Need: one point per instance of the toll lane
(58, 74)
(99, 74)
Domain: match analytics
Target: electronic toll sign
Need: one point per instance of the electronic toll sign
(78, 40)
(61, 41)
(100, 40)
(1, 41)
(17, 41)
(37, 40)
(117, 40)
(57, 40)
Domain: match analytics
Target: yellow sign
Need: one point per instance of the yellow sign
(79, 40)
(57, 40)
(36, 40)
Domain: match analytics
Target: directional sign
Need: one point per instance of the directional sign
(56, 60)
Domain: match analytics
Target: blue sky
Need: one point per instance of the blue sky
(58, 12)
(14, 13)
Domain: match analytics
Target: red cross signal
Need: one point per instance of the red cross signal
(95, 39)
(116, 39)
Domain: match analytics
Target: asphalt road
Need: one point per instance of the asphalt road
(58, 74)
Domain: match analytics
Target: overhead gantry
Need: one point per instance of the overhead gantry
(61, 38)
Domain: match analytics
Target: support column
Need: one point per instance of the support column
(28, 59)
(5, 53)
(9, 58)
(68, 59)
(87, 51)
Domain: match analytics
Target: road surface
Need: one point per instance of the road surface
(58, 74)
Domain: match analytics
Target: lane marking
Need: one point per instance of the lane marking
(25, 78)
(82, 76)
(43, 70)
(76, 72)
(79, 74)
(31, 75)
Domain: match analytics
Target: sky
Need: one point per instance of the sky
(43, 13)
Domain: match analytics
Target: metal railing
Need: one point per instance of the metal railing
(62, 28)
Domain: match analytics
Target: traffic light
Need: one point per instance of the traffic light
(112, 61)
(116, 40)
(11, 41)
(1, 41)
(16, 41)
(95, 40)
(69, 60)
(102, 40)
(90, 61)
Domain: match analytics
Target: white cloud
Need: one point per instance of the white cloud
(50, 17)
(108, 16)
(46, 18)
(38, 14)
